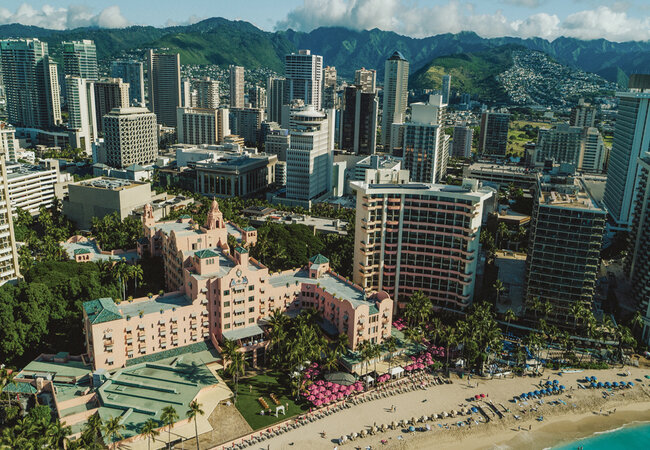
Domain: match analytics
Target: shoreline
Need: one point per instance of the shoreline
(575, 414)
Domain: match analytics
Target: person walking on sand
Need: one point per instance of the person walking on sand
(530, 427)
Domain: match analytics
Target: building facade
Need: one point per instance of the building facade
(9, 268)
(109, 93)
(493, 140)
(396, 74)
(461, 146)
(304, 78)
(202, 126)
(583, 115)
(631, 141)
(358, 127)
(247, 123)
(565, 240)
(237, 87)
(367, 79)
(130, 137)
(132, 73)
(30, 187)
(164, 72)
(80, 59)
(31, 84)
(419, 237)
(446, 88)
(207, 93)
(82, 111)
(276, 96)
(8, 143)
(240, 175)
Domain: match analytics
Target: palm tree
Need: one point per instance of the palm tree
(390, 344)
(92, 429)
(228, 350)
(509, 317)
(236, 368)
(375, 352)
(502, 230)
(7, 378)
(169, 416)
(363, 352)
(636, 321)
(576, 310)
(194, 411)
(113, 428)
(137, 274)
(341, 344)
(499, 288)
(57, 434)
(150, 430)
(418, 309)
(122, 273)
(536, 305)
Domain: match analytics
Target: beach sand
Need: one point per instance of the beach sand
(585, 412)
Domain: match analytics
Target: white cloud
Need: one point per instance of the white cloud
(411, 18)
(526, 3)
(73, 16)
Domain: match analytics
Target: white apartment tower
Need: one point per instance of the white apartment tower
(631, 141)
(109, 93)
(207, 93)
(202, 125)
(309, 156)
(366, 78)
(8, 253)
(396, 75)
(130, 137)
(236, 87)
(80, 59)
(8, 142)
(304, 74)
(82, 111)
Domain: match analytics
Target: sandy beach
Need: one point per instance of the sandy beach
(584, 413)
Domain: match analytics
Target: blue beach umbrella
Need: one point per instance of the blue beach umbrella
(593, 385)
(631, 383)
(556, 382)
(600, 384)
(562, 387)
(615, 384)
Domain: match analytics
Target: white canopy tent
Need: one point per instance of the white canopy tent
(396, 372)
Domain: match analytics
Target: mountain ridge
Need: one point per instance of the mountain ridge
(213, 41)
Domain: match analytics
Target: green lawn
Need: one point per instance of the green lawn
(517, 136)
(262, 386)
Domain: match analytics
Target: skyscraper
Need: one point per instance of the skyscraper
(109, 93)
(8, 142)
(329, 87)
(82, 115)
(358, 129)
(582, 147)
(80, 59)
(631, 141)
(304, 73)
(246, 123)
(462, 142)
(637, 261)
(565, 240)
(164, 86)
(396, 75)
(131, 72)
(366, 78)
(207, 93)
(419, 237)
(582, 115)
(257, 97)
(276, 96)
(309, 156)
(186, 93)
(236, 87)
(446, 88)
(202, 126)
(8, 253)
(493, 139)
(130, 137)
(31, 82)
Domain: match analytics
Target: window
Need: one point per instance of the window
(226, 315)
(251, 298)
(251, 309)
(251, 320)
(226, 292)
(226, 304)
(226, 326)
(251, 287)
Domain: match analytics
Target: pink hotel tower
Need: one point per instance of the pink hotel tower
(218, 294)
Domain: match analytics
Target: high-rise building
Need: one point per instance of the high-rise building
(247, 123)
(462, 143)
(276, 96)
(109, 93)
(31, 83)
(309, 157)
(131, 72)
(329, 87)
(582, 147)
(207, 93)
(367, 79)
(82, 111)
(80, 59)
(419, 237)
(202, 125)
(358, 128)
(186, 93)
(8, 253)
(130, 137)
(446, 88)
(637, 261)
(164, 86)
(277, 141)
(257, 97)
(594, 157)
(236, 87)
(493, 138)
(396, 75)
(583, 115)
(631, 141)
(425, 145)
(565, 239)
(8, 143)
(304, 75)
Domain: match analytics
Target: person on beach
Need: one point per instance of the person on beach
(530, 427)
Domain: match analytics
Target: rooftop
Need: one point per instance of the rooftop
(101, 310)
(154, 304)
(113, 184)
(90, 246)
(59, 370)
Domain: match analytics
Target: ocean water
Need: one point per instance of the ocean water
(630, 436)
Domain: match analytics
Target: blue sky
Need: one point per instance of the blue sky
(586, 19)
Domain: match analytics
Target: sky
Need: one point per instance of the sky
(615, 20)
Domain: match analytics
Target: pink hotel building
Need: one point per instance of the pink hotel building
(420, 237)
(218, 295)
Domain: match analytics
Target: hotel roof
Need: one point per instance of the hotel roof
(101, 310)
(154, 304)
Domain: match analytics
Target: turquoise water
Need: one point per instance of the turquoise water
(631, 436)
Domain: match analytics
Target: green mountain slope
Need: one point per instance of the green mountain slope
(474, 73)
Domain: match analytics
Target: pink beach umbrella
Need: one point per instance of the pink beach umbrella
(340, 396)
(320, 382)
(311, 398)
(318, 403)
